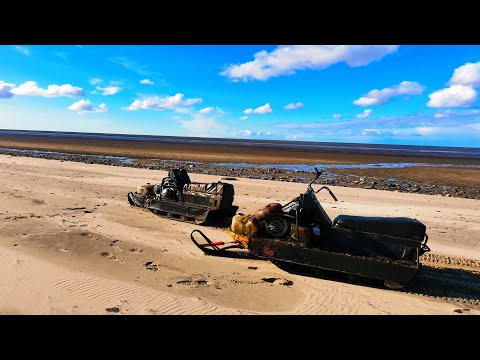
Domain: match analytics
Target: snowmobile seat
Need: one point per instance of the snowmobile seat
(180, 176)
(402, 227)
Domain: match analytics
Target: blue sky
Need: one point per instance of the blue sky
(419, 95)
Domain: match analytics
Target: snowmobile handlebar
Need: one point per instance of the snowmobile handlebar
(330, 191)
(318, 173)
(309, 188)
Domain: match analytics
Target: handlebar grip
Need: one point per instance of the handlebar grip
(333, 196)
(330, 192)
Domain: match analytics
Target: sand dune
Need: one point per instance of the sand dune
(70, 244)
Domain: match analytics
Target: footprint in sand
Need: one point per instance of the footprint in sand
(136, 250)
(193, 282)
(461, 311)
(115, 245)
(110, 256)
(63, 250)
(278, 281)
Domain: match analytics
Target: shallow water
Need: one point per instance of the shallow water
(122, 159)
(309, 168)
(291, 167)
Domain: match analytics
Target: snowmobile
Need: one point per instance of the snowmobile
(178, 198)
(301, 233)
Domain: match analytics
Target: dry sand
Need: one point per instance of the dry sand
(56, 218)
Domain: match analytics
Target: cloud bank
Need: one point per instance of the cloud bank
(286, 60)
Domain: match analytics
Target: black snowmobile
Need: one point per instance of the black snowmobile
(301, 233)
(178, 198)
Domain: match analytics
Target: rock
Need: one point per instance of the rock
(284, 282)
(114, 309)
(277, 281)
(150, 265)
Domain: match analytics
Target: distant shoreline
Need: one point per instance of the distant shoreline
(291, 145)
(233, 150)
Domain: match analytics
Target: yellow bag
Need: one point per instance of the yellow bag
(145, 189)
(243, 225)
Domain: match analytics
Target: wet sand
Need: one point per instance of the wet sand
(70, 244)
(247, 153)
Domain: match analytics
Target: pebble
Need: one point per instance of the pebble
(114, 309)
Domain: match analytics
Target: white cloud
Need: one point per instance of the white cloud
(426, 130)
(285, 60)
(201, 125)
(109, 90)
(206, 110)
(246, 132)
(264, 109)
(30, 88)
(22, 50)
(379, 97)
(146, 82)
(175, 102)
(293, 106)
(364, 114)
(83, 106)
(367, 132)
(337, 116)
(5, 88)
(439, 115)
(95, 81)
(467, 74)
(452, 97)
(244, 117)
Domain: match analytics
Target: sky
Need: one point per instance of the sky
(381, 94)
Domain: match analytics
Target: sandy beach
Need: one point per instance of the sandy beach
(71, 244)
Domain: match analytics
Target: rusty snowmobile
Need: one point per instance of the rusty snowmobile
(178, 198)
(300, 233)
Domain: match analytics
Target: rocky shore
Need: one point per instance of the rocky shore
(331, 176)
